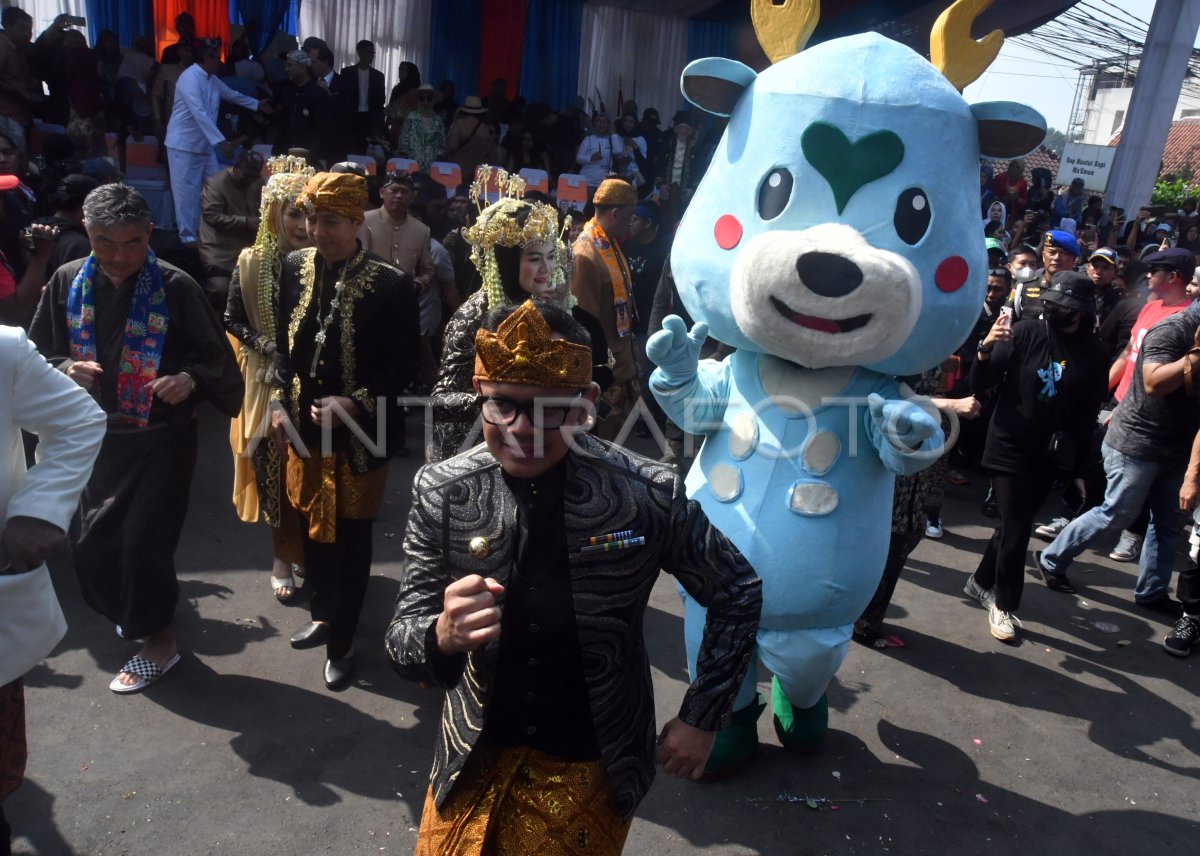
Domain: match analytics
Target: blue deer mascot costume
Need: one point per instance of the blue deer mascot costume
(834, 241)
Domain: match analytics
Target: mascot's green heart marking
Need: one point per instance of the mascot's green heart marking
(848, 166)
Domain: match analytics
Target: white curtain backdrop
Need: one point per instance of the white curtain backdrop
(628, 47)
(400, 31)
(45, 11)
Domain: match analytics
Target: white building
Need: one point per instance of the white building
(1102, 101)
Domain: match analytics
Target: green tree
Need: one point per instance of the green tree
(1055, 141)
(1171, 189)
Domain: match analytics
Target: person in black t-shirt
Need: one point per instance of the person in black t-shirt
(1145, 450)
(1052, 378)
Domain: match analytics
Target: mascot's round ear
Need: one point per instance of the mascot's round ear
(1008, 129)
(715, 84)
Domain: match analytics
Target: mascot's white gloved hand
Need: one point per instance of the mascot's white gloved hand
(905, 424)
(675, 351)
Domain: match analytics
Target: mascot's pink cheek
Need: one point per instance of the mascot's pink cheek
(728, 232)
(951, 274)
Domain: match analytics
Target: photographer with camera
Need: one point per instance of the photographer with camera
(25, 271)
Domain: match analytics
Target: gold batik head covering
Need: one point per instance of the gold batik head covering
(499, 225)
(340, 192)
(523, 351)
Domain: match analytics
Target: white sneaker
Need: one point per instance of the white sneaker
(1003, 624)
(973, 590)
(934, 530)
(1128, 549)
(1050, 530)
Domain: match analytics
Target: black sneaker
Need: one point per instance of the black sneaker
(1183, 637)
(1164, 605)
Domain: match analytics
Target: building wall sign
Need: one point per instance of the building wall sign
(1091, 163)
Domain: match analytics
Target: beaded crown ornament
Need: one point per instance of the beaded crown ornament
(288, 175)
(497, 225)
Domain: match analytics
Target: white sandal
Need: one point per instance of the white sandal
(278, 583)
(147, 672)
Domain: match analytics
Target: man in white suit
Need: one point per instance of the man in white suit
(193, 137)
(37, 506)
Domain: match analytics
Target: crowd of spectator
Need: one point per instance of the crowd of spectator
(1075, 383)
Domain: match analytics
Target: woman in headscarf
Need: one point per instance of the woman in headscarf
(517, 247)
(252, 319)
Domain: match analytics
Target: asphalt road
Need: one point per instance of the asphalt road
(1082, 739)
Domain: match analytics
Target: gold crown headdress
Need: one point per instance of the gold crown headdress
(288, 174)
(497, 225)
(523, 351)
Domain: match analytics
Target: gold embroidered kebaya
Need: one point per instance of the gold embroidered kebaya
(522, 351)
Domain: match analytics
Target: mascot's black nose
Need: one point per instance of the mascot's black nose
(828, 275)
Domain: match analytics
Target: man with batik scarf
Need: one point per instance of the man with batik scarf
(529, 563)
(604, 288)
(349, 346)
(141, 337)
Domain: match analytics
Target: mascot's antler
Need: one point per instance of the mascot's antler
(952, 50)
(784, 30)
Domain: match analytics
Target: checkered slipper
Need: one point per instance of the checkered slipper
(147, 672)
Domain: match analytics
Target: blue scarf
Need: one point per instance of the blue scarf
(145, 332)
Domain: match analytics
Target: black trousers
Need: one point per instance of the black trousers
(1018, 498)
(338, 574)
(131, 517)
(1187, 589)
(899, 549)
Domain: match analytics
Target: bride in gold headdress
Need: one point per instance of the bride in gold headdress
(517, 247)
(251, 318)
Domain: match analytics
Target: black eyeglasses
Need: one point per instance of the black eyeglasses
(1000, 271)
(497, 410)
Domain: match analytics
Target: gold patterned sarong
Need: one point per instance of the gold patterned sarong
(323, 488)
(519, 801)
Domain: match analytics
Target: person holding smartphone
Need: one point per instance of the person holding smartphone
(1050, 373)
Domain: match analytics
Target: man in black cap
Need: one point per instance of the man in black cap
(1145, 450)
(1050, 373)
(1115, 311)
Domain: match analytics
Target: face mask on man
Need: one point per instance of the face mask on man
(1060, 318)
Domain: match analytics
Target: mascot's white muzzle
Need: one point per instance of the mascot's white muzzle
(824, 296)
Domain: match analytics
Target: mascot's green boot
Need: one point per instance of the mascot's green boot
(798, 728)
(736, 745)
